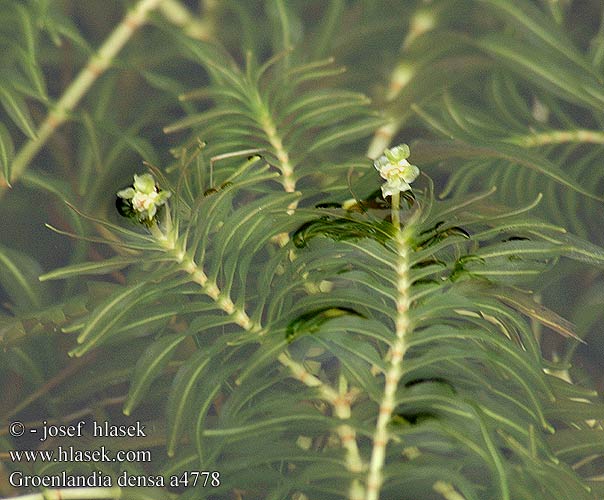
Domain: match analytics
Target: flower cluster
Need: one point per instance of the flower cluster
(143, 198)
(398, 172)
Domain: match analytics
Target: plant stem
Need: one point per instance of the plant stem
(240, 317)
(342, 410)
(382, 138)
(97, 65)
(244, 321)
(559, 137)
(287, 170)
(300, 373)
(180, 16)
(348, 439)
(422, 20)
(339, 402)
(74, 494)
(395, 210)
(396, 354)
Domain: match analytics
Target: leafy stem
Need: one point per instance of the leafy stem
(396, 353)
(287, 170)
(167, 240)
(340, 401)
(558, 137)
(240, 317)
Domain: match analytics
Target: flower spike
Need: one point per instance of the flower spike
(398, 172)
(142, 200)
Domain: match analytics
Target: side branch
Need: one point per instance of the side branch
(340, 402)
(240, 316)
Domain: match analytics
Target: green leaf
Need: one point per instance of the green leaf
(442, 150)
(19, 278)
(23, 364)
(572, 444)
(345, 133)
(148, 367)
(182, 394)
(526, 304)
(60, 25)
(575, 411)
(543, 70)
(286, 22)
(17, 109)
(90, 268)
(7, 152)
(27, 28)
(328, 26)
(107, 315)
(528, 16)
(267, 425)
(36, 77)
(11, 331)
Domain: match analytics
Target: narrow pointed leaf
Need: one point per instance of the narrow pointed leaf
(148, 367)
(7, 152)
(17, 109)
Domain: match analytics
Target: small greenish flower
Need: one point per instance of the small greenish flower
(141, 200)
(398, 172)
